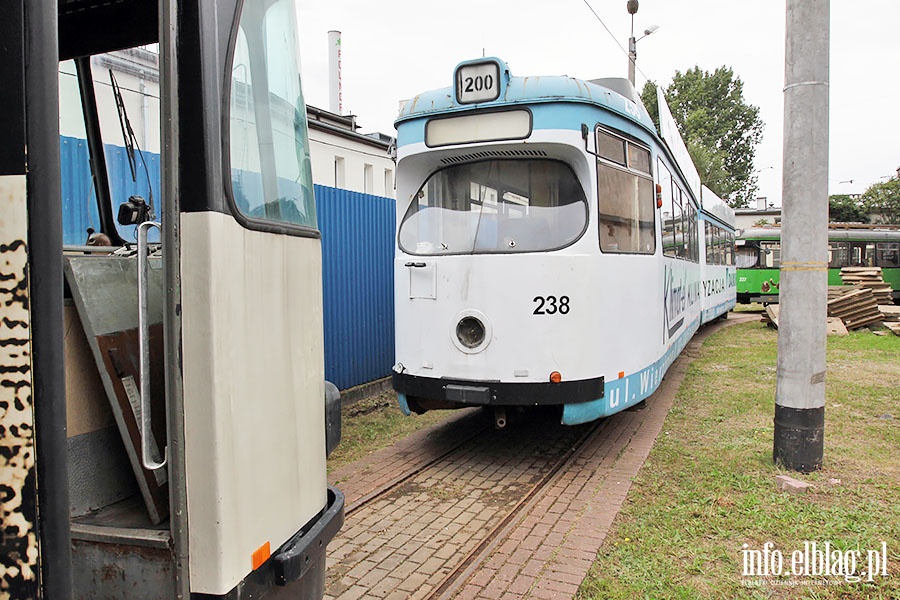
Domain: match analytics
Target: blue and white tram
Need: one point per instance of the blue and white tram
(548, 246)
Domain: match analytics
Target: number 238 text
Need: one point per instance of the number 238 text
(551, 305)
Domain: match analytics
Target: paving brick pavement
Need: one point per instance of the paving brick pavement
(404, 546)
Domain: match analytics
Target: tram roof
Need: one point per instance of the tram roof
(615, 94)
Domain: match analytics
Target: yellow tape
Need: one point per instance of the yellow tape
(804, 266)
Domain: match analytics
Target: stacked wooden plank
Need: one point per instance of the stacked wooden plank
(871, 278)
(856, 307)
(770, 316)
(890, 313)
(834, 325)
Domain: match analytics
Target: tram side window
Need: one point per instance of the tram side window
(770, 253)
(720, 248)
(691, 241)
(887, 254)
(625, 197)
(271, 173)
(747, 257)
(838, 255)
(677, 225)
(668, 222)
(611, 147)
(711, 242)
(862, 254)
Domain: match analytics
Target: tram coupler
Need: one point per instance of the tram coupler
(500, 418)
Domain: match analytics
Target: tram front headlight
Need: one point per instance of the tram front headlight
(470, 332)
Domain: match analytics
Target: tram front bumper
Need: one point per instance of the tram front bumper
(497, 393)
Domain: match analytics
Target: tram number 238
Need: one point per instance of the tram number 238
(551, 305)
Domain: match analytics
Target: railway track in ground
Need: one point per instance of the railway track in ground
(464, 511)
(456, 493)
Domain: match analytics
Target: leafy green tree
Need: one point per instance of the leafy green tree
(883, 199)
(843, 208)
(712, 115)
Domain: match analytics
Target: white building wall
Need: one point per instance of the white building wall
(326, 148)
(140, 95)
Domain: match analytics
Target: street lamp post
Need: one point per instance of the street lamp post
(632, 6)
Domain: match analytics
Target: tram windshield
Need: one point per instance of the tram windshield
(495, 206)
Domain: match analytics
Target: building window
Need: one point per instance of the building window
(339, 175)
(388, 182)
(368, 179)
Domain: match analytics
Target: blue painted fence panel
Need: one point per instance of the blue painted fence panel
(357, 257)
(78, 195)
(357, 271)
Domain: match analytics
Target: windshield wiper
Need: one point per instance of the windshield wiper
(131, 142)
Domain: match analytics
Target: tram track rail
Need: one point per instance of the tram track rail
(384, 489)
(454, 580)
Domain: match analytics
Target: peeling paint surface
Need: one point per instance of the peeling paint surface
(18, 534)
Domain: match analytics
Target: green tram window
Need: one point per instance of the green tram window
(887, 254)
(862, 254)
(770, 254)
(838, 255)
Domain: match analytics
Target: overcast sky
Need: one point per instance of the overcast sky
(394, 49)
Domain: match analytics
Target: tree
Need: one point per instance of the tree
(712, 115)
(883, 199)
(843, 208)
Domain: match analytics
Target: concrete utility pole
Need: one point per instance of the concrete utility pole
(800, 385)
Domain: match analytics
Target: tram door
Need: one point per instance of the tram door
(182, 451)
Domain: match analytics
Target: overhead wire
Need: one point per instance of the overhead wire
(624, 51)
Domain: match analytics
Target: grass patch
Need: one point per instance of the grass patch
(374, 423)
(708, 486)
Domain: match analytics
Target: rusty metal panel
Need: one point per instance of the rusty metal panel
(19, 543)
(358, 285)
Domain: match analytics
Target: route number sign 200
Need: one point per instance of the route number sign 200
(478, 82)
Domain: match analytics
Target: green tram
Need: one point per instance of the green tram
(758, 259)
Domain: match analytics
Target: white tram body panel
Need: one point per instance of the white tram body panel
(255, 464)
(588, 320)
(719, 274)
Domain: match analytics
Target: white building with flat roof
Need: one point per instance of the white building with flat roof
(346, 159)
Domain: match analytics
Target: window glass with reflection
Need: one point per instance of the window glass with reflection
(271, 174)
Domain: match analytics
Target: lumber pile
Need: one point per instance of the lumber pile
(871, 278)
(857, 307)
(770, 316)
(890, 314)
(834, 325)
(864, 299)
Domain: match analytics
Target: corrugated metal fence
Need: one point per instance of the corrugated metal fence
(358, 285)
(79, 203)
(357, 257)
